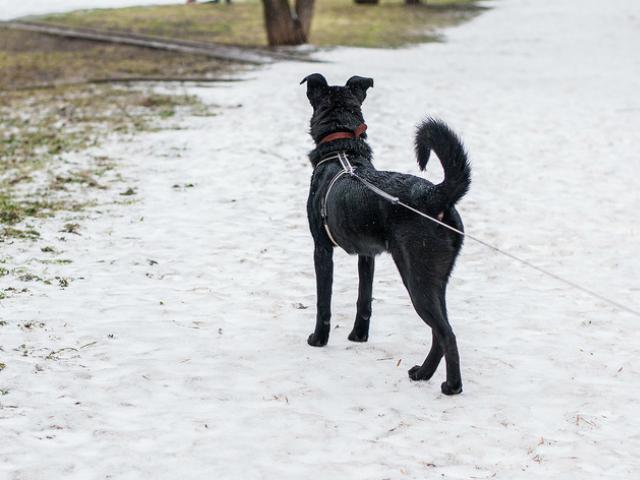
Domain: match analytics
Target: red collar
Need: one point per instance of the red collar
(357, 133)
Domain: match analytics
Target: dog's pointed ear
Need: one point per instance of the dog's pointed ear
(359, 85)
(316, 84)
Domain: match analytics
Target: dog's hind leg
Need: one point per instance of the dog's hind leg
(443, 335)
(430, 364)
(449, 344)
(427, 294)
(323, 262)
(430, 305)
(360, 332)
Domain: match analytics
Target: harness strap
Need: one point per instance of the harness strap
(347, 168)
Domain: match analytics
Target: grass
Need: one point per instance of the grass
(12, 212)
(28, 59)
(11, 232)
(336, 22)
(390, 24)
(39, 127)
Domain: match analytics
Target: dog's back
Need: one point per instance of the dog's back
(364, 223)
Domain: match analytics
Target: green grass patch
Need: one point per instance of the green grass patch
(22, 233)
(28, 59)
(13, 211)
(39, 127)
(336, 22)
(55, 261)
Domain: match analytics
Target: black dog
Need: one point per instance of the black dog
(343, 212)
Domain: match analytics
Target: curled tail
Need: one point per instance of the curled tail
(435, 135)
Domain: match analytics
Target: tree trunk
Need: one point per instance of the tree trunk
(367, 2)
(286, 26)
(304, 11)
(412, 2)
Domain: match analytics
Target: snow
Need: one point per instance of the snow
(10, 9)
(200, 367)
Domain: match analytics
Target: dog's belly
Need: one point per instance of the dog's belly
(369, 246)
(359, 232)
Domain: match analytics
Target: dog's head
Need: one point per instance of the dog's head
(336, 108)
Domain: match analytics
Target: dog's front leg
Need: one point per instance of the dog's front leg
(360, 332)
(323, 261)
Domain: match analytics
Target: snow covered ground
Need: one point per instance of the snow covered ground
(12, 9)
(197, 366)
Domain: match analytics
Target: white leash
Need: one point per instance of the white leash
(348, 169)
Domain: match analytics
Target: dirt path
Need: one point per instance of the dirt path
(179, 348)
(253, 56)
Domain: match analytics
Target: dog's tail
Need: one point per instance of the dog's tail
(435, 135)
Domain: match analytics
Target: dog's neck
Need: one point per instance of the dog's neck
(356, 146)
(357, 133)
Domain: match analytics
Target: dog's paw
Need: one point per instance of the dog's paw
(417, 373)
(451, 390)
(316, 340)
(358, 337)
